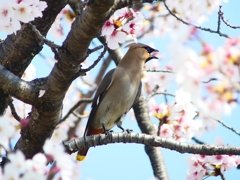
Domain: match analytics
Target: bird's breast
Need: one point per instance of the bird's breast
(117, 100)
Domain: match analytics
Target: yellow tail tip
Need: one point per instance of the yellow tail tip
(80, 157)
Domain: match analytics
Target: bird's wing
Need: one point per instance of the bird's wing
(121, 118)
(138, 94)
(101, 90)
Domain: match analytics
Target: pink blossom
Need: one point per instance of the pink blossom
(22, 12)
(116, 29)
(115, 38)
(6, 12)
(108, 28)
(122, 13)
(166, 131)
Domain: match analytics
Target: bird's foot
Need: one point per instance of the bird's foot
(128, 130)
(125, 130)
(106, 132)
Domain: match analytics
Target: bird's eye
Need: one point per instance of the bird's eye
(149, 49)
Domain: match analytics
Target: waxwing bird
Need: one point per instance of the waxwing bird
(117, 92)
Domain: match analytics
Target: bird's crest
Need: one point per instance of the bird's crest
(136, 45)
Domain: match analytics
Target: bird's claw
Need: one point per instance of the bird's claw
(108, 132)
(128, 130)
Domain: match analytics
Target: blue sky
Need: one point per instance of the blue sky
(129, 161)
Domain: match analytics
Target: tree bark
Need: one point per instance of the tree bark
(155, 155)
(47, 111)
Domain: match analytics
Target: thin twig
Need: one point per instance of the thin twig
(79, 115)
(52, 172)
(211, 79)
(51, 44)
(152, 93)
(161, 93)
(83, 71)
(165, 97)
(189, 24)
(226, 126)
(197, 141)
(13, 110)
(156, 70)
(85, 100)
(90, 51)
(220, 13)
(219, 22)
(159, 129)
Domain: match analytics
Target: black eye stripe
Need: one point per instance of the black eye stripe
(149, 49)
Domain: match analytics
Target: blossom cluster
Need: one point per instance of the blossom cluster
(202, 166)
(211, 75)
(19, 167)
(13, 12)
(177, 120)
(124, 22)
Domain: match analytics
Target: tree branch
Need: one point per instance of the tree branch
(226, 126)
(13, 110)
(84, 100)
(46, 114)
(18, 50)
(129, 3)
(154, 141)
(198, 27)
(17, 87)
(155, 154)
(159, 93)
(156, 70)
(95, 62)
(220, 13)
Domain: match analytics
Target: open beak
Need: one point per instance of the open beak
(150, 51)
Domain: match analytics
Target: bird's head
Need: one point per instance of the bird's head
(143, 51)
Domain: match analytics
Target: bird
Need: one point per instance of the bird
(118, 91)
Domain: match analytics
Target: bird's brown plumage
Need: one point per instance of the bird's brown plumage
(117, 92)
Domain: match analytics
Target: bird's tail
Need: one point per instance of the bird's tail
(81, 155)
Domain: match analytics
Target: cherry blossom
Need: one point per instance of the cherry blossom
(115, 38)
(22, 12)
(117, 28)
(6, 12)
(204, 166)
(6, 129)
(11, 27)
(64, 164)
(177, 120)
(13, 12)
(108, 28)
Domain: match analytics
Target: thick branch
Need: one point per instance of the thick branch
(18, 50)
(17, 87)
(146, 126)
(47, 113)
(155, 141)
(129, 3)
